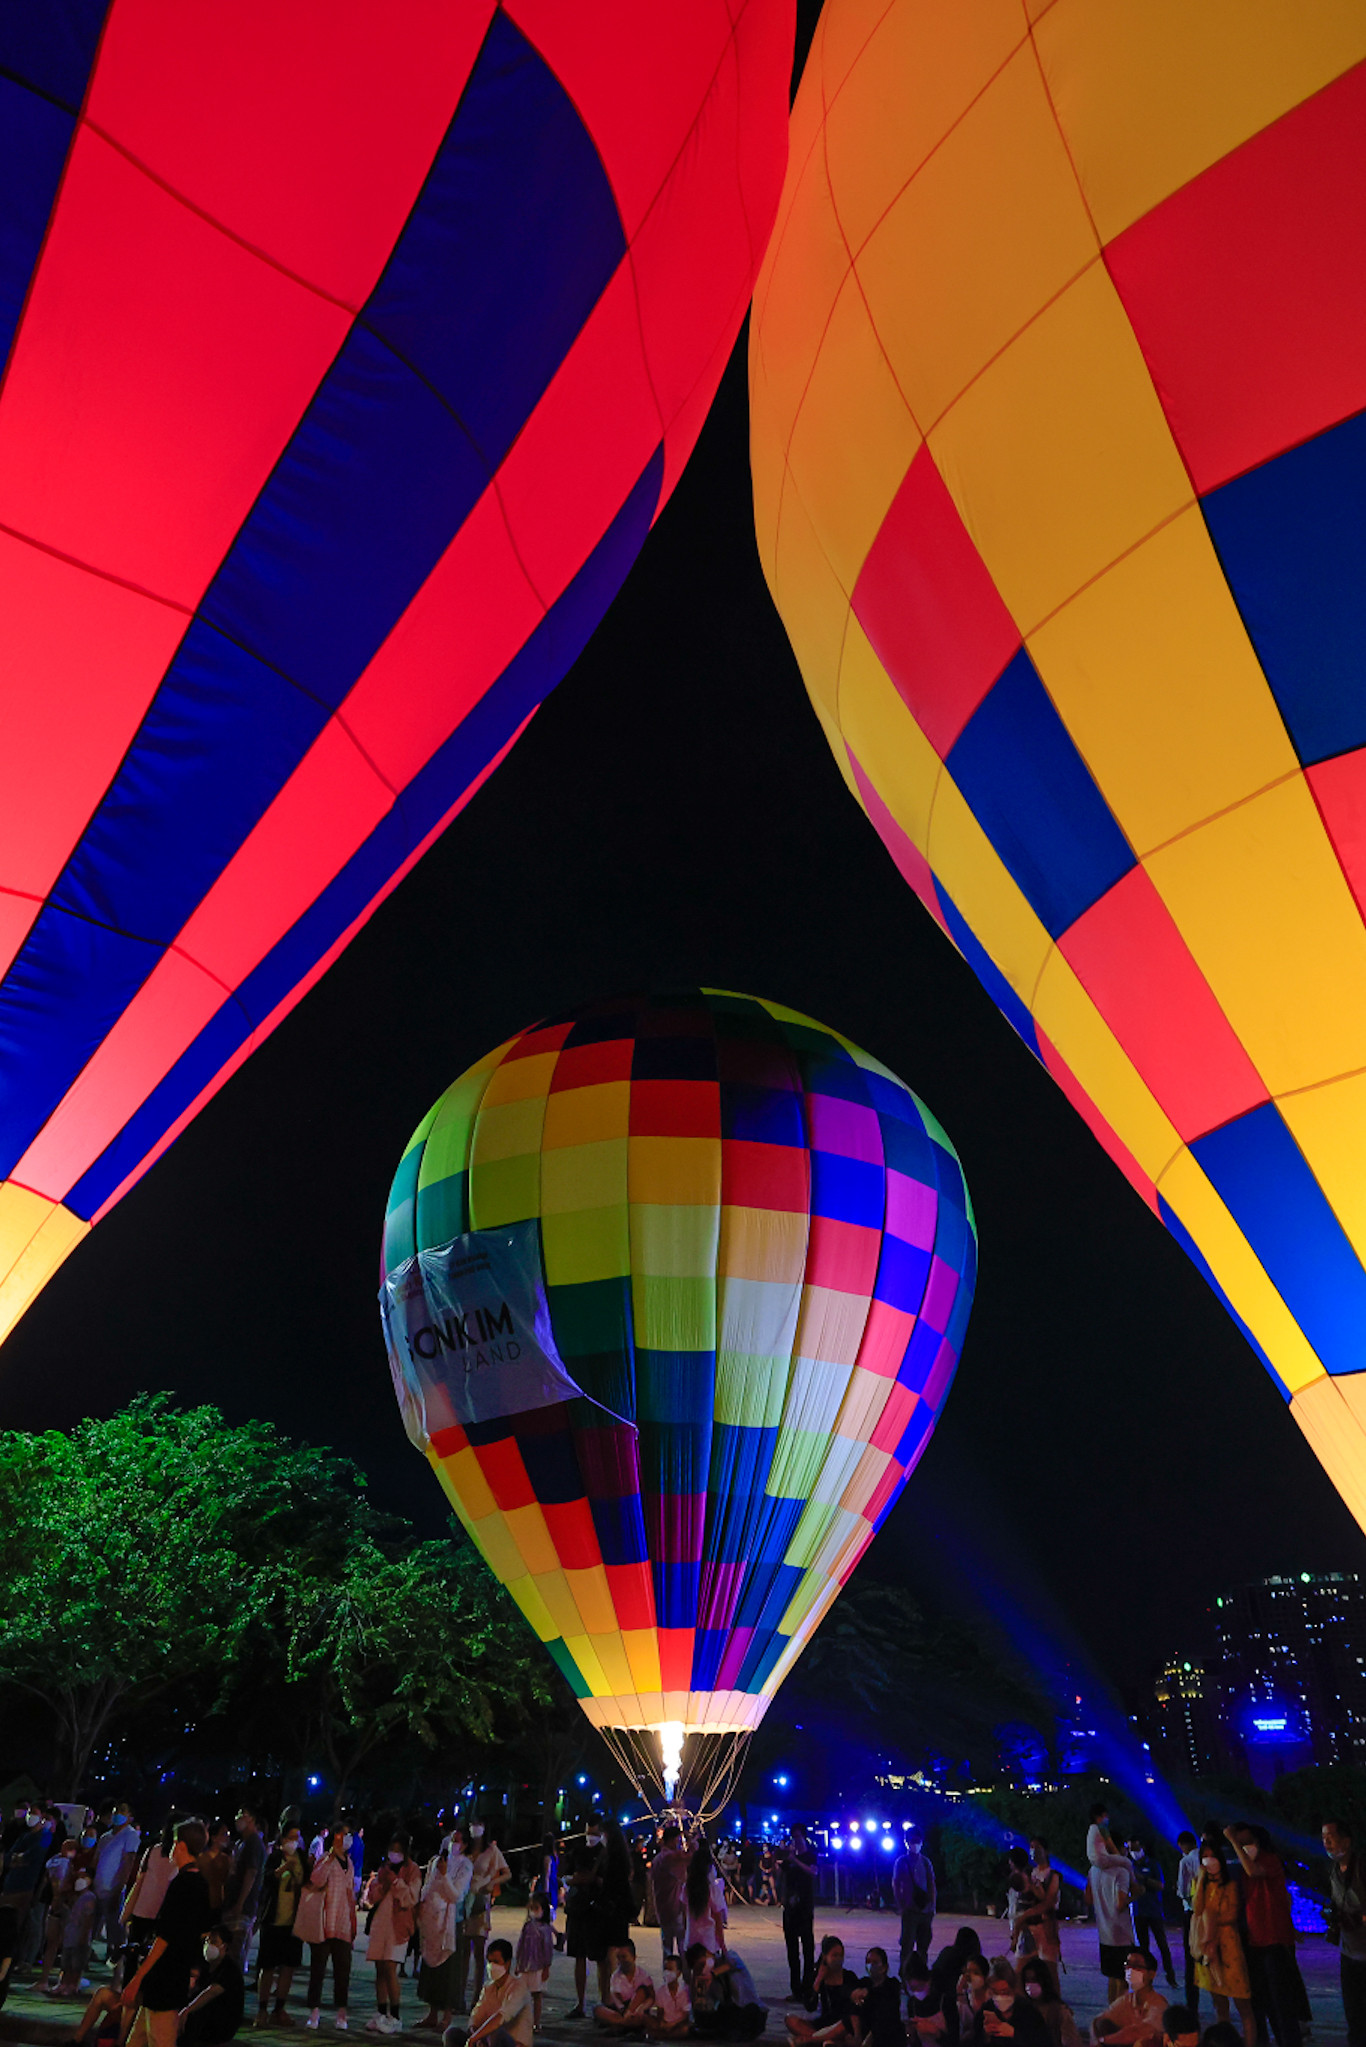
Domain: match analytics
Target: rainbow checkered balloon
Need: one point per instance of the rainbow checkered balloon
(758, 1255)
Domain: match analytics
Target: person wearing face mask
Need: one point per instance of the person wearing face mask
(116, 1858)
(1220, 1962)
(30, 1847)
(1136, 2017)
(489, 1872)
(502, 2013)
(834, 1986)
(670, 2016)
(668, 1875)
(78, 1930)
(877, 2004)
(159, 1987)
(630, 1992)
(1039, 1983)
(1006, 2016)
(725, 2003)
(1150, 1916)
(326, 1919)
(391, 1896)
(1272, 1969)
(444, 1891)
(288, 1868)
(216, 2008)
(1110, 1883)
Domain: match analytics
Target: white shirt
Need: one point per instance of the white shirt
(1110, 1896)
(1188, 1869)
(623, 1988)
(673, 2000)
(113, 1846)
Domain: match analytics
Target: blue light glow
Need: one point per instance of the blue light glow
(837, 1840)
(888, 1844)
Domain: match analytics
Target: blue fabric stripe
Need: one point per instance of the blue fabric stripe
(1201, 1264)
(902, 1271)
(1291, 536)
(761, 1115)
(376, 480)
(50, 45)
(709, 1646)
(528, 678)
(620, 1526)
(677, 1587)
(906, 1149)
(1034, 797)
(34, 138)
(761, 1662)
(1264, 1181)
(847, 1190)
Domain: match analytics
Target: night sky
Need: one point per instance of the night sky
(673, 812)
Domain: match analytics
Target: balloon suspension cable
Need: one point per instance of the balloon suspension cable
(690, 1776)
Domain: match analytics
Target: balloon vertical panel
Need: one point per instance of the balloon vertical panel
(1058, 369)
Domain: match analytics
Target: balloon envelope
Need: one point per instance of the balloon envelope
(349, 352)
(757, 1257)
(1058, 366)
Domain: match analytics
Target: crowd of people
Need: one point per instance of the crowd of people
(197, 1921)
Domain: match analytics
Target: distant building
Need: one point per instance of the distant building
(1186, 1736)
(1283, 1685)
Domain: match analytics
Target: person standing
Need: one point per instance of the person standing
(1109, 1882)
(1347, 1924)
(159, 1988)
(1042, 1915)
(391, 1895)
(242, 1895)
(287, 1870)
(704, 1894)
(584, 1938)
(438, 1920)
(1220, 1962)
(797, 1878)
(1150, 1915)
(913, 1893)
(668, 1876)
(326, 1919)
(116, 1857)
(489, 1872)
(535, 1952)
(1187, 1872)
(1270, 1933)
(150, 1885)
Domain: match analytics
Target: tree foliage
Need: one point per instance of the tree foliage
(166, 1551)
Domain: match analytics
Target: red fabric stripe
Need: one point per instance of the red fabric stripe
(885, 1337)
(576, 459)
(633, 1594)
(675, 1108)
(1095, 1122)
(299, 990)
(1134, 964)
(843, 1256)
(675, 1659)
(505, 1474)
(193, 361)
(1339, 789)
(935, 619)
(308, 132)
(590, 1065)
(891, 1423)
(83, 657)
(765, 1175)
(570, 1523)
(636, 75)
(1247, 288)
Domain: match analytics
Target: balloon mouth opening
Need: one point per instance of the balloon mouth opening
(671, 1736)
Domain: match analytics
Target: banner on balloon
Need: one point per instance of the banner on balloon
(468, 1332)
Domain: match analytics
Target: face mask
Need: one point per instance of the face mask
(35, 1819)
(1211, 1863)
(593, 1839)
(87, 1840)
(120, 1819)
(476, 1833)
(1133, 1978)
(1002, 2002)
(82, 1883)
(212, 1952)
(1033, 1990)
(497, 1969)
(396, 1857)
(346, 1841)
(1252, 1848)
(671, 1972)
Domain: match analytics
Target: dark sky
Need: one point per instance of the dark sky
(673, 811)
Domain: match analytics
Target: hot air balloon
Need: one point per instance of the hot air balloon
(349, 352)
(673, 1292)
(1058, 366)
